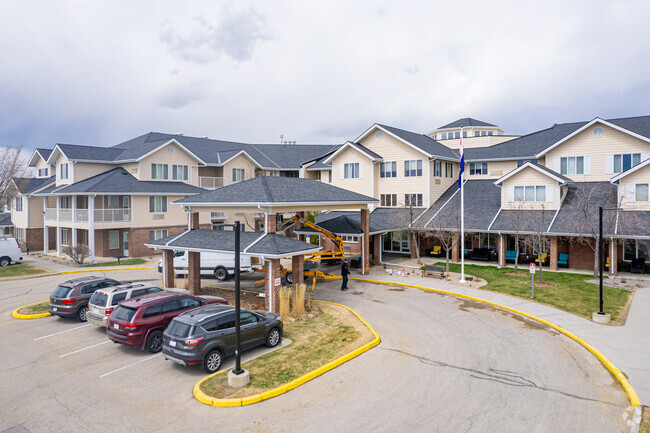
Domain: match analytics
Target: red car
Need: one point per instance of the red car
(140, 322)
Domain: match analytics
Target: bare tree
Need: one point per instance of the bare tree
(536, 223)
(13, 167)
(447, 232)
(517, 221)
(77, 253)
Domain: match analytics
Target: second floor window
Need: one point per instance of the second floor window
(351, 170)
(530, 193)
(42, 172)
(619, 163)
(437, 168)
(633, 192)
(159, 171)
(158, 203)
(63, 171)
(414, 200)
(180, 172)
(413, 168)
(19, 204)
(388, 199)
(350, 238)
(449, 169)
(478, 168)
(238, 174)
(388, 169)
(572, 165)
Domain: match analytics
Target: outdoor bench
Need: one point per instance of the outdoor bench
(433, 271)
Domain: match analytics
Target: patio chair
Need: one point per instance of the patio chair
(436, 251)
(511, 255)
(480, 254)
(544, 259)
(563, 260)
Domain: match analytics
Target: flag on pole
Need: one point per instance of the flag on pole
(462, 162)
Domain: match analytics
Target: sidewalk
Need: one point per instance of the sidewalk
(61, 267)
(628, 347)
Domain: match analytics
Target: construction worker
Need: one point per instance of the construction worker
(344, 274)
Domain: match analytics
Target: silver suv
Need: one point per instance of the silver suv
(104, 301)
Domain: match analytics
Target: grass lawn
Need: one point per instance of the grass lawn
(21, 270)
(122, 263)
(38, 308)
(566, 291)
(316, 342)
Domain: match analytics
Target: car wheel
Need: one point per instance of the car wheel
(82, 312)
(273, 337)
(221, 274)
(289, 277)
(4, 261)
(155, 341)
(212, 361)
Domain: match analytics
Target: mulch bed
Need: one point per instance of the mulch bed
(250, 301)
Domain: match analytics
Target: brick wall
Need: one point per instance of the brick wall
(34, 239)
(580, 256)
(137, 238)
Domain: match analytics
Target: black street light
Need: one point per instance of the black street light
(601, 259)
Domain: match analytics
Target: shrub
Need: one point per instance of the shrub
(77, 253)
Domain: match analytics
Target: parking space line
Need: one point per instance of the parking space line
(130, 365)
(63, 332)
(85, 348)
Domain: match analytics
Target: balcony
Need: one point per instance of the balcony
(211, 182)
(218, 216)
(113, 215)
(50, 214)
(81, 215)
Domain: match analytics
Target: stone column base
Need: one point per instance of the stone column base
(603, 319)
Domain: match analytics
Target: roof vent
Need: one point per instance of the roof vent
(204, 136)
(179, 133)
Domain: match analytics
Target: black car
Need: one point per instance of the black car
(206, 335)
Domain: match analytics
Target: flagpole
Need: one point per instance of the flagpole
(462, 211)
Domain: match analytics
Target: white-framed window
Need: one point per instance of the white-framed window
(478, 168)
(63, 171)
(636, 249)
(157, 203)
(477, 133)
(414, 200)
(350, 238)
(444, 136)
(154, 235)
(530, 193)
(434, 136)
(351, 170)
(437, 168)
(42, 172)
(274, 173)
(64, 202)
(238, 174)
(397, 242)
(113, 239)
(635, 192)
(413, 168)
(180, 172)
(19, 204)
(572, 165)
(619, 163)
(388, 169)
(388, 199)
(65, 237)
(329, 176)
(449, 169)
(113, 201)
(159, 171)
(457, 134)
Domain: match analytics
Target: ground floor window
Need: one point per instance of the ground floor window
(510, 244)
(397, 242)
(83, 237)
(350, 238)
(487, 240)
(154, 235)
(636, 249)
(65, 237)
(113, 239)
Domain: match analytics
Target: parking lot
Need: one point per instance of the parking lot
(443, 365)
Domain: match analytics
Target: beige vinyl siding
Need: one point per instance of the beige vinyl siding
(36, 216)
(361, 185)
(60, 160)
(20, 219)
(241, 161)
(40, 163)
(441, 184)
(84, 170)
(473, 142)
(639, 176)
(586, 144)
(496, 169)
(162, 156)
(530, 177)
(325, 176)
(143, 218)
(131, 168)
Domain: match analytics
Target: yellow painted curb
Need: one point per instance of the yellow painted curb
(107, 269)
(631, 393)
(17, 315)
(244, 401)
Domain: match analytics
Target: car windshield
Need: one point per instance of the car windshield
(98, 299)
(123, 313)
(179, 329)
(61, 292)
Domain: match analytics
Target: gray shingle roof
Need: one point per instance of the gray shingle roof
(633, 223)
(532, 221)
(221, 240)
(278, 189)
(391, 219)
(118, 180)
(45, 153)
(27, 185)
(424, 142)
(639, 125)
(542, 168)
(368, 151)
(381, 220)
(466, 121)
(89, 153)
(5, 220)
(571, 218)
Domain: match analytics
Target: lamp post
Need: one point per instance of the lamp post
(601, 316)
(238, 370)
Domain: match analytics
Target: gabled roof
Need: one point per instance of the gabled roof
(44, 154)
(466, 121)
(120, 181)
(5, 219)
(630, 171)
(356, 146)
(382, 220)
(29, 185)
(633, 224)
(258, 244)
(277, 190)
(540, 168)
(523, 221)
(570, 218)
(77, 152)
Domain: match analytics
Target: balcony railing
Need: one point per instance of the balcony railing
(65, 215)
(112, 215)
(50, 214)
(211, 182)
(218, 216)
(81, 215)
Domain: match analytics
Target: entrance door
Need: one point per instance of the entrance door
(125, 243)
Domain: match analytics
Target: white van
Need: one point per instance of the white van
(9, 251)
(221, 265)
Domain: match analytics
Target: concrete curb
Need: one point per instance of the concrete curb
(244, 401)
(16, 315)
(631, 393)
(106, 270)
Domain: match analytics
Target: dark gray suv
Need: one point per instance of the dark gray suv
(206, 335)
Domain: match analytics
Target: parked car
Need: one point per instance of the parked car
(103, 302)
(9, 251)
(221, 265)
(140, 322)
(70, 299)
(206, 335)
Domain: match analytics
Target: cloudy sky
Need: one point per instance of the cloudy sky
(98, 73)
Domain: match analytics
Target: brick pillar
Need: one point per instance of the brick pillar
(194, 220)
(194, 272)
(502, 250)
(414, 245)
(455, 250)
(271, 223)
(365, 254)
(613, 258)
(554, 253)
(168, 269)
(298, 270)
(271, 291)
(376, 253)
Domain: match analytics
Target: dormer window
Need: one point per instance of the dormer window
(63, 171)
(42, 172)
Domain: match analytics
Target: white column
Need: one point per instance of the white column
(46, 233)
(91, 228)
(74, 216)
(58, 226)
